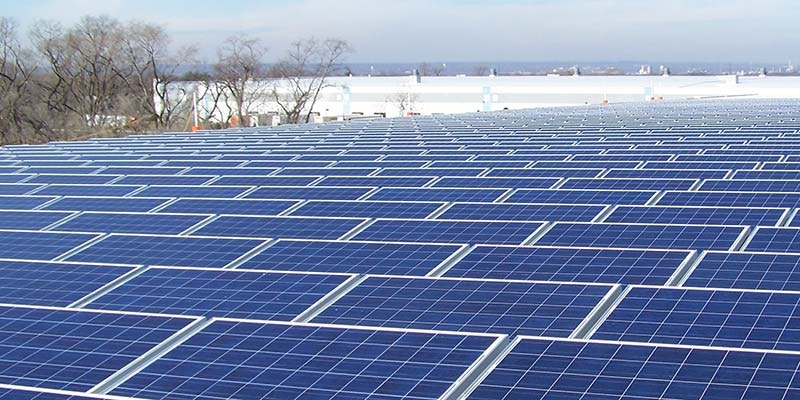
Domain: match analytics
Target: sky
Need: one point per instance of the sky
(467, 30)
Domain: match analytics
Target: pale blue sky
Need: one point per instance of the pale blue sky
(470, 30)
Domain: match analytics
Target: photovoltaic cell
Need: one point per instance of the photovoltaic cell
(642, 236)
(541, 309)
(74, 350)
(569, 264)
(784, 240)
(39, 245)
(445, 231)
(705, 317)
(29, 220)
(220, 293)
(376, 181)
(730, 199)
(87, 190)
(306, 361)
(771, 185)
(264, 180)
(166, 250)
(505, 183)
(223, 192)
(22, 202)
(628, 184)
(522, 212)
(560, 369)
(279, 227)
(73, 179)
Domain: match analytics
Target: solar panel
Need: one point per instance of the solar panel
(108, 204)
(730, 199)
(29, 220)
(705, 317)
(222, 192)
(87, 190)
(23, 202)
(73, 179)
(697, 215)
(274, 360)
(507, 307)
(746, 270)
(264, 180)
(436, 194)
(75, 350)
(775, 239)
(351, 257)
(39, 245)
(17, 189)
(376, 181)
(580, 196)
(447, 231)
(279, 227)
(163, 180)
(703, 237)
(164, 224)
(52, 284)
(12, 392)
(771, 185)
(366, 209)
(229, 206)
(560, 369)
(164, 250)
(309, 193)
(628, 184)
(278, 296)
(569, 264)
(667, 173)
(544, 172)
(455, 182)
(522, 212)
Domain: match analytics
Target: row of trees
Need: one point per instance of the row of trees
(102, 73)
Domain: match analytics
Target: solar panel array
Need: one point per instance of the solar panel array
(624, 251)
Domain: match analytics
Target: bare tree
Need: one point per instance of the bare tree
(480, 70)
(148, 68)
(404, 101)
(18, 104)
(426, 69)
(239, 69)
(304, 73)
(84, 80)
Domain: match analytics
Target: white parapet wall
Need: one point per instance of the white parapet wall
(397, 96)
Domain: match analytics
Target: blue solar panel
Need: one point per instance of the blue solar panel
(530, 183)
(553, 369)
(264, 180)
(580, 196)
(10, 392)
(231, 171)
(522, 212)
(165, 224)
(542, 309)
(628, 184)
(220, 293)
(569, 264)
(785, 240)
(52, 284)
(142, 171)
(17, 189)
(87, 190)
(667, 173)
(696, 215)
(279, 227)
(699, 165)
(223, 192)
(431, 194)
(74, 350)
(326, 171)
(163, 180)
(61, 170)
(771, 185)
(785, 166)
(39, 245)
(765, 175)
(431, 172)
(29, 220)
(166, 250)
(366, 209)
(642, 236)
(13, 178)
(744, 270)
(229, 206)
(730, 199)
(309, 193)
(376, 181)
(306, 361)
(726, 318)
(109, 204)
(351, 257)
(73, 179)
(544, 172)
(586, 164)
(442, 231)
(23, 202)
